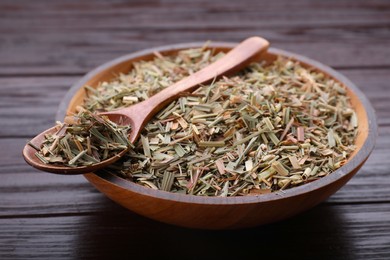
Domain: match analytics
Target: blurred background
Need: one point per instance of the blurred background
(72, 37)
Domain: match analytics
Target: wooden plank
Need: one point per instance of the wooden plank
(71, 38)
(343, 12)
(40, 96)
(26, 191)
(78, 52)
(335, 232)
(29, 104)
(192, 16)
(42, 194)
(64, 52)
(374, 83)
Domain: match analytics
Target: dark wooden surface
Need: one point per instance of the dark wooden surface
(46, 46)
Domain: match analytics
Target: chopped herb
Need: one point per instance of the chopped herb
(270, 127)
(88, 140)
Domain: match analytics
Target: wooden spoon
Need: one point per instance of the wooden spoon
(139, 114)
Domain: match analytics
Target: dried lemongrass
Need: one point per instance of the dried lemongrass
(268, 128)
(84, 140)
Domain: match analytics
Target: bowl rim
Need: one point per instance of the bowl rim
(357, 160)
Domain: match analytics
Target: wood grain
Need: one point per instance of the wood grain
(330, 232)
(76, 37)
(29, 104)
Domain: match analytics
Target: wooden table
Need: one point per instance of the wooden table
(46, 46)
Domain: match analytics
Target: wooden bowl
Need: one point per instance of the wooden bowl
(225, 212)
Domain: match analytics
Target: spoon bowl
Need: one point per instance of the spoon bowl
(139, 114)
(29, 155)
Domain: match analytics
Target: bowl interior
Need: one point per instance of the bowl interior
(111, 69)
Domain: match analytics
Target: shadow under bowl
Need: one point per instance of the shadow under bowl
(225, 212)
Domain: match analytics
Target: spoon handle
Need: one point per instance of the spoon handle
(236, 59)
